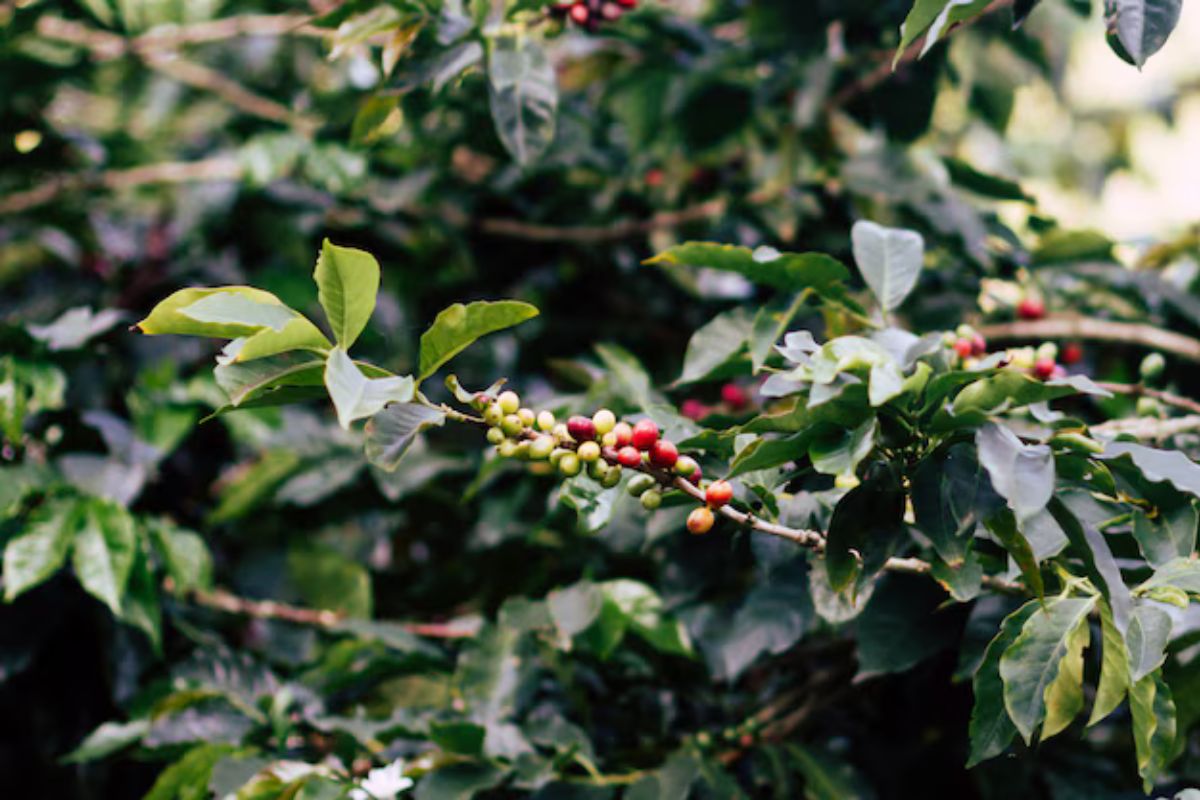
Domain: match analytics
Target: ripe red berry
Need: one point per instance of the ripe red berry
(695, 477)
(629, 457)
(963, 348)
(701, 520)
(664, 454)
(718, 493)
(610, 11)
(978, 345)
(627, 3)
(645, 434)
(1031, 308)
(1044, 368)
(654, 177)
(1072, 353)
(581, 429)
(693, 409)
(623, 433)
(734, 396)
(580, 14)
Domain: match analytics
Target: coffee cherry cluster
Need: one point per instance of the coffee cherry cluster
(967, 344)
(604, 447)
(1043, 362)
(590, 14)
(735, 399)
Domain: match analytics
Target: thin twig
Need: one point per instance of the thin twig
(1099, 330)
(1166, 398)
(229, 603)
(1150, 427)
(597, 234)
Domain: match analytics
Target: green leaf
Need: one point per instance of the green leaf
(1022, 474)
(455, 736)
(330, 581)
(378, 117)
(184, 555)
(1153, 712)
(765, 453)
(838, 451)
(1077, 514)
(1159, 465)
(1180, 573)
(523, 93)
(827, 778)
(945, 490)
(1168, 534)
(354, 395)
(140, 605)
(256, 380)
(187, 778)
(717, 349)
(1003, 526)
(40, 549)
(1114, 668)
(458, 782)
(1142, 26)
(104, 550)
(788, 272)
(74, 328)
(901, 626)
(460, 325)
(866, 524)
(991, 728)
(672, 781)
(890, 260)
(768, 327)
(226, 312)
(391, 432)
(1064, 695)
(1147, 639)
(643, 611)
(255, 483)
(1032, 667)
(107, 739)
(347, 284)
(296, 334)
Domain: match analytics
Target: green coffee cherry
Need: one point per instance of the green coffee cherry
(509, 402)
(1046, 351)
(1152, 367)
(686, 466)
(651, 499)
(557, 453)
(604, 420)
(541, 448)
(1148, 407)
(493, 415)
(507, 449)
(523, 450)
(570, 465)
(589, 451)
(560, 432)
(640, 484)
(527, 417)
(495, 435)
(597, 469)
(512, 425)
(545, 421)
(612, 476)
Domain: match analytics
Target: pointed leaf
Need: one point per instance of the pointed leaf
(789, 272)
(1003, 526)
(1022, 474)
(1147, 638)
(355, 396)
(991, 729)
(104, 551)
(1114, 668)
(523, 90)
(40, 549)
(1064, 695)
(890, 260)
(717, 349)
(1159, 465)
(391, 432)
(1142, 26)
(1153, 712)
(216, 318)
(460, 325)
(347, 285)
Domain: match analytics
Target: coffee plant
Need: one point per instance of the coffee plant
(691, 399)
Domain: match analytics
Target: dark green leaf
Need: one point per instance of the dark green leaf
(788, 272)
(866, 524)
(460, 325)
(991, 728)
(391, 432)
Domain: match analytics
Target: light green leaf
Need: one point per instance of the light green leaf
(1180, 573)
(1142, 26)
(105, 546)
(37, 552)
(890, 260)
(1159, 465)
(296, 334)
(168, 317)
(789, 272)
(354, 395)
(391, 432)
(1153, 712)
(1022, 474)
(458, 782)
(328, 580)
(107, 739)
(1064, 695)
(991, 729)
(1003, 525)
(523, 92)
(1147, 639)
(838, 451)
(643, 610)
(1114, 668)
(347, 284)
(184, 555)
(187, 778)
(460, 325)
(1033, 663)
(715, 349)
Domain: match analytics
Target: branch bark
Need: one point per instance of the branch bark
(1098, 330)
(1166, 398)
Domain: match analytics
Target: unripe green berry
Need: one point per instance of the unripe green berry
(1152, 366)
(604, 420)
(686, 466)
(570, 465)
(527, 417)
(1148, 407)
(612, 476)
(523, 450)
(1047, 351)
(493, 415)
(545, 421)
(512, 425)
(507, 449)
(557, 453)
(588, 451)
(495, 435)
(964, 331)
(509, 402)
(609, 439)
(560, 432)
(597, 469)
(640, 484)
(651, 499)
(541, 448)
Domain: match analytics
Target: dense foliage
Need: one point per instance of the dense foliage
(726, 258)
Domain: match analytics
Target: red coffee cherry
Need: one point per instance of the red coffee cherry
(735, 396)
(1044, 368)
(579, 14)
(629, 456)
(700, 521)
(663, 454)
(1072, 353)
(693, 409)
(1031, 308)
(581, 429)
(718, 493)
(645, 434)
(963, 348)
(627, 3)
(978, 345)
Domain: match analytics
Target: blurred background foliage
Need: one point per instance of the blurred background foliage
(149, 145)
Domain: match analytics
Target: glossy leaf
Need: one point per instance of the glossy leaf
(460, 325)
(1142, 26)
(991, 729)
(391, 432)
(104, 551)
(866, 524)
(347, 283)
(1115, 677)
(1153, 712)
(1022, 474)
(37, 552)
(226, 312)
(890, 260)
